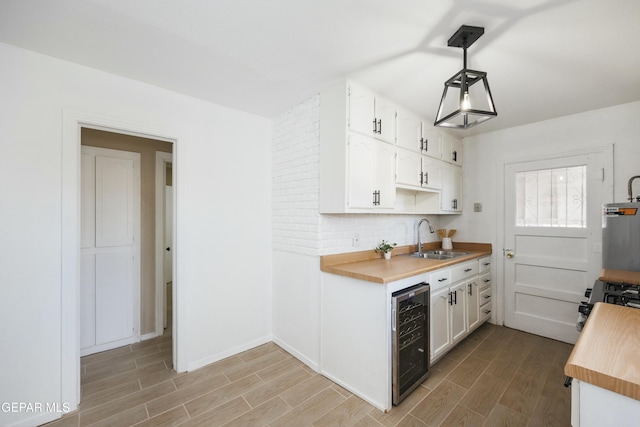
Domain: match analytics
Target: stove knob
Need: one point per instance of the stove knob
(587, 293)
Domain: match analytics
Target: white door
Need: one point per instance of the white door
(440, 324)
(360, 179)
(110, 266)
(552, 241)
(168, 247)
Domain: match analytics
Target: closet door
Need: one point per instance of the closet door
(110, 273)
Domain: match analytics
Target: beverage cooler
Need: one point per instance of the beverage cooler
(410, 339)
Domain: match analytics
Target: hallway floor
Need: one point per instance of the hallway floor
(496, 377)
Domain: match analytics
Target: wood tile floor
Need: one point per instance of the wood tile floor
(496, 377)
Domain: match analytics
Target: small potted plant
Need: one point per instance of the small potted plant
(385, 248)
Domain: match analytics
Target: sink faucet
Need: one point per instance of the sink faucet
(430, 229)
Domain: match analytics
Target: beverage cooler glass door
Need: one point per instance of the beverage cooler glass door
(410, 339)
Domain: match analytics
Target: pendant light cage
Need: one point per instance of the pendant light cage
(466, 100)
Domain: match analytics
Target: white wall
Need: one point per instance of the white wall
(483, 178)
(223, 197)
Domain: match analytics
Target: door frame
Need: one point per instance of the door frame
(162, 159)
(606, 150)
(72, 122)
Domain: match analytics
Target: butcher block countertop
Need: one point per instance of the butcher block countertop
(372, 267)
(607, 353)
(620, 276)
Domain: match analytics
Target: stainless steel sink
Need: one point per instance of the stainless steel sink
(438, 254)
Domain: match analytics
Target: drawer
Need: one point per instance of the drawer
(484, 264)
(463, 271)
(485, 311)
(440, 279)
(485, 296)
(484, 281)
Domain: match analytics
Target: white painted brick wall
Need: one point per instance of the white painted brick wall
(297, 224)
(295, 187)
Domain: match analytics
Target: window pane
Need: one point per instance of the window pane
(551, 198)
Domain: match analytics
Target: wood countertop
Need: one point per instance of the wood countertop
(607, 353)
(620, 276)
(370, 266)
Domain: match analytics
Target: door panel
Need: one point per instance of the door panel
(548, 268)
(114, 201)
(114, 301)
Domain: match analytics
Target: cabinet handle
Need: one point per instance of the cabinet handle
(421, 175)
(379, 126)
(486, 263)
(376, 197)
(487, 311)
(450, 298)
(470, 289)
(375, 128)
(442, 279)
(486, 280)
(466, 270)
(426, 178)
(426, 145)
(455, 297)
(487, 296)
(421, 144)
(454, 156)
(455, 203)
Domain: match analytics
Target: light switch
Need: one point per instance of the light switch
(477, 207)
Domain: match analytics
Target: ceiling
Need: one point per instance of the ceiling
(544, 58)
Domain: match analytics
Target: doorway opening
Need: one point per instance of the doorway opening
(74, 122)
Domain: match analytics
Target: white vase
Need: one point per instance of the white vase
(446, 243)
(387, 255)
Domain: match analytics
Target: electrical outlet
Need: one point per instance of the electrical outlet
(356, 240)
(477, 207)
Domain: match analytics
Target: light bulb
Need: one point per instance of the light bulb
(466, 103)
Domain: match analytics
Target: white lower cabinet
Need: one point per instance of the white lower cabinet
(448, 318)
(473, 303)
(460, 303)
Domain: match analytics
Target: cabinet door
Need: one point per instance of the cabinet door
(431, 141)
(361, 110)
(360, 185)
(459, 312)
(409, 131)
(473, 303)
(408, 168)
(431, 173)
(451, 149)
(451, 196)
(385, 175)
(385, 114)
(440, 322)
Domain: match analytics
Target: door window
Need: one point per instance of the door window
(551, 197)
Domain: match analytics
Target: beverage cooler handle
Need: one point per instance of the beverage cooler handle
(393, 319)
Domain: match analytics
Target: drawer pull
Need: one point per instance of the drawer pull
(486, 280)
(442, 280)
(487, 296)
(487, 311)
(466, 270)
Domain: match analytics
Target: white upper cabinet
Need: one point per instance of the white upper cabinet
(371, 115)
(414, 170)
(371, 173)
(378, 158)
(417, 135)
(451, 195)
(451, 149)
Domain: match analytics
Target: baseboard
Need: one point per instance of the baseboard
(150, 335)
(301, 357)
(192, 366)
(357, 392)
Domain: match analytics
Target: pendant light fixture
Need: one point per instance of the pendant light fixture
(468, 103)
